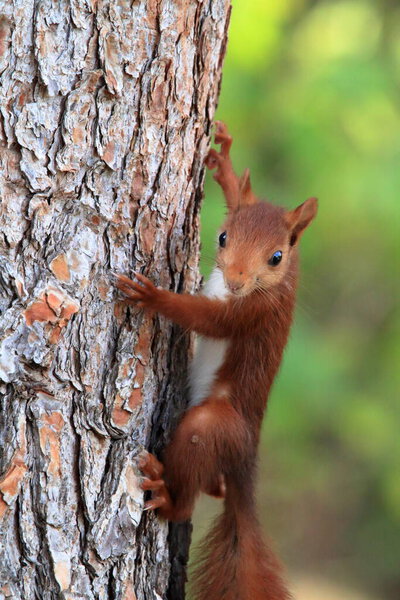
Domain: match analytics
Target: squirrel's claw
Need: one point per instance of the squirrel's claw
(155, 503)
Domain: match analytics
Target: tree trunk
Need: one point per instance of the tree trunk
(106, 109)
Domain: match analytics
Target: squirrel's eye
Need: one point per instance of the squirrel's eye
(275, 258)
(222, 239)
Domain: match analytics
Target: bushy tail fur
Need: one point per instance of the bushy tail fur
(234, 562)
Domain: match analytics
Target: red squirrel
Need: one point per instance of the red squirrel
(243, 317)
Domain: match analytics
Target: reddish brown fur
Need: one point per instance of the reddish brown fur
(215, 445)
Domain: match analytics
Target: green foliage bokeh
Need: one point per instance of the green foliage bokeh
(310, 93)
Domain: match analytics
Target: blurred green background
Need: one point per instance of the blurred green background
(310, 92)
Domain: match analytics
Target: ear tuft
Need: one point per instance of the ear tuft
(299, 218)
(246, 196)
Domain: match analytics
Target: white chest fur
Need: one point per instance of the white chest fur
(209, 353)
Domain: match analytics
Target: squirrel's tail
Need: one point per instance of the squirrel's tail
(234, 563)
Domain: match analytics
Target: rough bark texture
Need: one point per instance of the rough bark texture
(106, 109)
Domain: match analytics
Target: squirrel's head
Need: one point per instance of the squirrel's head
(257, 242)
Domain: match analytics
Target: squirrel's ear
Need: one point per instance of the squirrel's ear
(246, 196)
(299, 218)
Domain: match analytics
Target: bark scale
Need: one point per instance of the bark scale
(106, 110)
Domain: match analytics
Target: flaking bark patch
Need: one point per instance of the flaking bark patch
(52, 306)
(11, 480)
(60, 268)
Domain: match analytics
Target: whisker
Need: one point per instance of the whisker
(275, 301)
(207, 256)
(207, 260)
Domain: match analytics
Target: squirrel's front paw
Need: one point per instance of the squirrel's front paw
(142, 292)
(222, 135)
(216, 159)
(212, 159)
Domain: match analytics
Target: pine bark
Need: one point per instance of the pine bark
(106, 109)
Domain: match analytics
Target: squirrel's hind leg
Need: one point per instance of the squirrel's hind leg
(210, 438)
